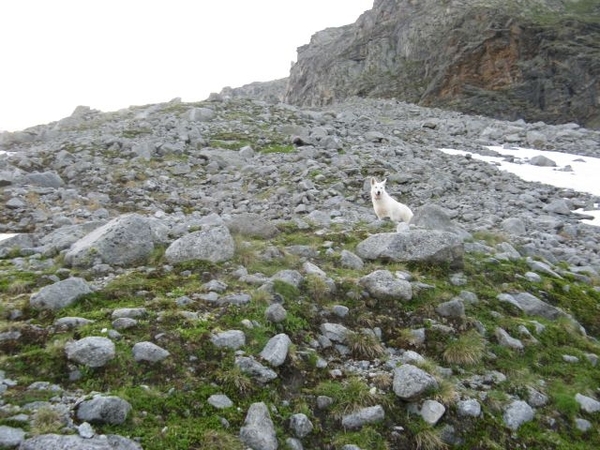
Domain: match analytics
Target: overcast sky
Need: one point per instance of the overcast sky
(110, 54)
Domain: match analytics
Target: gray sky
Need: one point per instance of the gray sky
(110, 54)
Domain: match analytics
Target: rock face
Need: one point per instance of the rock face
(534, 60)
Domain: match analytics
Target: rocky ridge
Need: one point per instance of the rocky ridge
(523, 59)
(98, 196)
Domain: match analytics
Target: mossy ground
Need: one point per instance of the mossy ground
(169, 399)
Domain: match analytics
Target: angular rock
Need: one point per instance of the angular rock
(517, 413)
(276, 349)
(255, 369)
(148, 351)
(92, 351)
(258, 431)
(363, 416)
(125, 241)
(410, 382)
(214, 244)
(60, 294)
(232, 339)
(588, 404)
(414, 246)
(104, 410)
(11, 437)
(300, 425)
(252, 225)
(383, 285)
(432, 411)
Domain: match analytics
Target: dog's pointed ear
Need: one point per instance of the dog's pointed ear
(384, 180)
(373, 181)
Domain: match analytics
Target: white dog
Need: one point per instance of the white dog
(386, 206)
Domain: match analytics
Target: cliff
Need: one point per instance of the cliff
(536, 60)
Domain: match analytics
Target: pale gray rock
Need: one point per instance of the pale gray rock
(214, 244)
(71, 442)
(252, 225)
(542, 161)
(67, 235)
(363, 416)
(351, 260)
(587, 404)
(60, 294)
(44, 179)
(518, 413)
(102, 409)
(71, 322)
(300, 425)
(514, 226)
(129, 313)
(469, 407)
(383, 285)
(432, 411)
(276, 349)
(506, 340)
(535, 398)
(434, 217)
(275, 313)
(92, 351)
(255, 369)
(335, 332)
(418, 246)
(233, 339)
(150, 352)
(583, 424)
(200, 114)
(17, 241)
(410, 382)
(288, 276)
(293, 444)
(124, 323)
(220, 401)
(558, 206)
(533, 306)
(11, 437)
(85, 430)
(454, 309)
(258, 431)
(124, 241)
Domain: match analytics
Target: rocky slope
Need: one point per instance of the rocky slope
(528, 59)
(213, 275)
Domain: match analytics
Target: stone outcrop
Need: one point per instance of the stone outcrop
(534, 60)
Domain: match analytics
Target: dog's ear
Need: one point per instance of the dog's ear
(384, 180)
(373, 181)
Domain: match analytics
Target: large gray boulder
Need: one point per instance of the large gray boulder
(434, 217)
(92, 351)
(44, 179)
(65, 236)
(10, 437)
(214, 244)
(383, 285)
(258, 431)
(60, 294)
(125, 241)
(104, 410)
(417, 246)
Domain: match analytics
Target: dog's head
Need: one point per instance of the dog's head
(377, 188)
